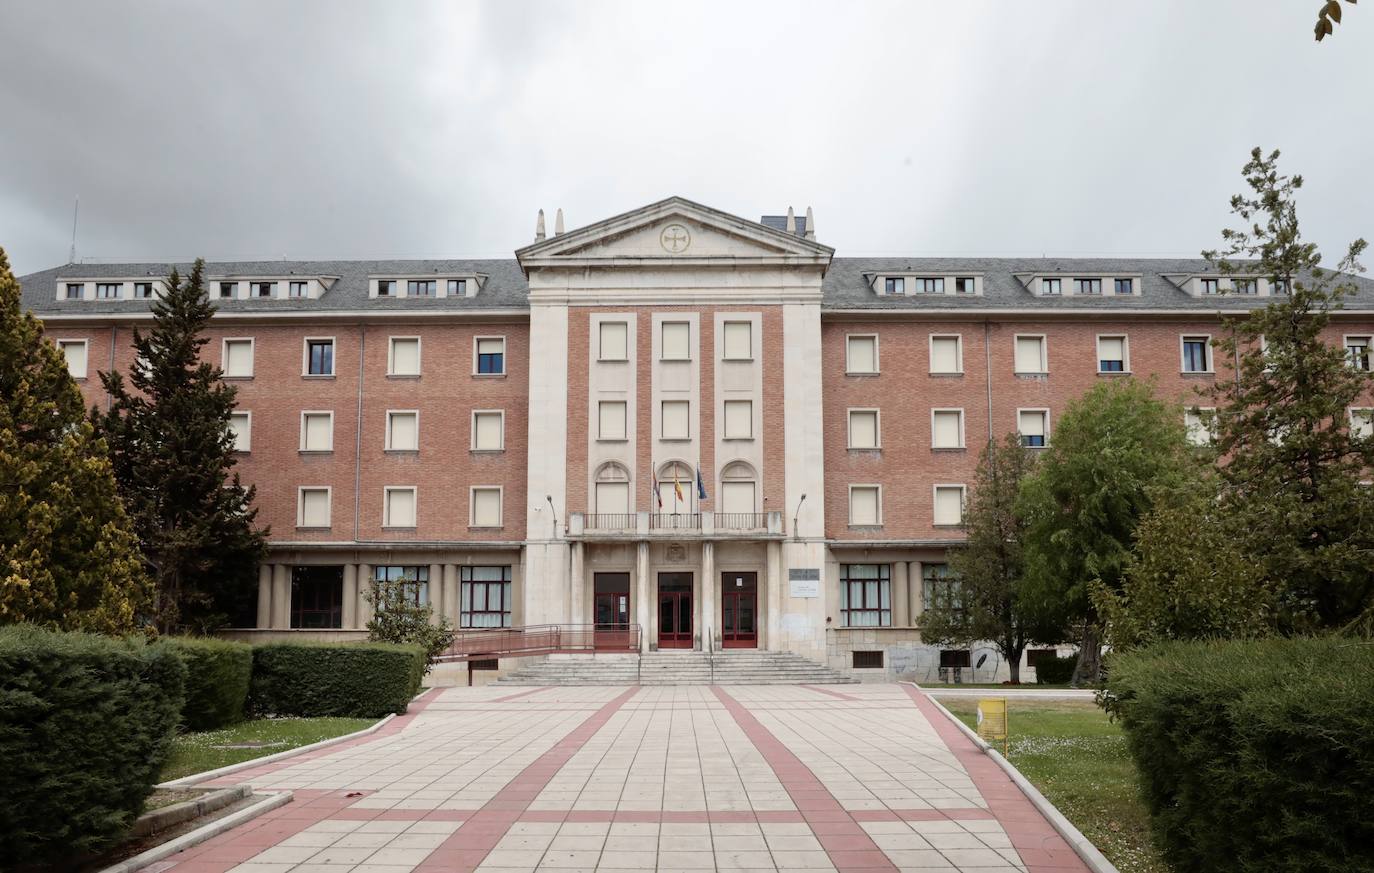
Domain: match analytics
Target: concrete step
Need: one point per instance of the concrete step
(732, 667)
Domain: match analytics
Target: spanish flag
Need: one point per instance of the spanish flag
(677, 486)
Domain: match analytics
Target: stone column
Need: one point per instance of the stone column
(450, 585)
(577, 596)
(350, 596)
(642, 593)
(436, 593)
(281, 596)
(364, 586)
(773, 591)
(917, 584)
(901, 595)
(264, 596)
(707, 624)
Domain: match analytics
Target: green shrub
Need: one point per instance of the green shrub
(364, 680)
(217, 676)
(1055, 671)
(86, 723)
(1253, 755)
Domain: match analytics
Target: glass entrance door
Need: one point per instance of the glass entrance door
(611, 609)
(674, 610)
(739, 601)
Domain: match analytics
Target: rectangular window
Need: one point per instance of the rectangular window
(1210, 286)
(737, 497)
(864, 660)
(403, 356)
(965, 285)
(491, 355)
(241, 429)
(486, 507)
(485, 596)
(316, 597)
(457, 287)
(386, 287)
(1197, 356)
(865, 595)
(863, 429)
(939, 590)
(414, 579)
(1088, 287)
(75, 353)
(317, 431)
(955, 659)
(610, 418)
(312, 507)
(946, 354)
(1278, 286)
(107, 290)
(613, 498)
(929, 285)
(398, 507)
(1030, 355)
(75, 290)
(1111, 354)
(319, 357)
(228, 290)
(1199, 423)
(676, 420)
(1051, 287)
(614, 341)
(949, 504)
(739, 419)
(676, 341)
(402, 431)
(488, 431)
(894, 285)
(739, 341)
(1357, 350)
(865, 505)
(1124, 286)
(861, 354)
(238, 358)
(1033, 425)
(262, 289)
(298, 289)
(143, 290)
(1245, 286)
(422, 287)
(947, 429)
(1362, 422)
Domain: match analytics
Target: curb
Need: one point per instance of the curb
(170, 816)
(1082, 846)
(201, 834)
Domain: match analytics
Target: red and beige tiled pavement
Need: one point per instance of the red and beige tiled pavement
(691, 778)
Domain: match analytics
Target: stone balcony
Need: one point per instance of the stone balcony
(603, 526)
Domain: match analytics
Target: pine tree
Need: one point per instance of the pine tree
(173, 457)
(1291, 465)
(68, 556)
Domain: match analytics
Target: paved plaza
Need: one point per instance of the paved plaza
(690, 778)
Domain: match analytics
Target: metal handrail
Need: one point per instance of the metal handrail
(675, 521)
(609, 521)
(541, 639)
(741, 520)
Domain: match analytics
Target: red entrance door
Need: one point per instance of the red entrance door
(739, 613)
(674, 610)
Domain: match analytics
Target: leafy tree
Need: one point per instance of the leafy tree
(173, 458)
(1292, 466)
(398, 617)
(986, 599)
(1114, 447)
(68, 556)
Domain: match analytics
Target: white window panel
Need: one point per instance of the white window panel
(488, 431)
(75, 353)
(238, 358)
(676, 342)
(317, 432)
(676, 420)
(491, 348)
(614, 341)
(1110, 350)
(405, 356)
(611, 420)
(1030, 423)
(1030, 354)
(944, 355)
(1362, 422)
(739, 340)
(864, 505)
(399, 510)
(313, 507)
(949, 504)
(737, 497)
(862, 355)
(739, 419)
(403, 431)
(947, 429)
(612, 497)
(863, 429)
(241, 426)
(486, 507)
(1199, 425)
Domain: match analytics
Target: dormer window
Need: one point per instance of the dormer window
(1124, 286)
(1211, 286)
(1050, 287)
(107, 290)
(965, 285)
(1246, 286)
(143, 290)
(934, 285)
(386, 287)
(422, 288)
(1090, 287)
(894, 285)
(297, 289)
(75, 290)
(228, 290)
(457, 288)
(1279, 286)
(262, 289)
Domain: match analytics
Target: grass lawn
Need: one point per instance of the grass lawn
(198, 752)
(1077, 758)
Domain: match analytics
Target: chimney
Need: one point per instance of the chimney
(810, 224)
(539, 227)
(558, 222)
(791, 221)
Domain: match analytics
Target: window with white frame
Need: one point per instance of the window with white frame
(402, 430)
(1357, 351)
(386, 287)
(1051, 287)
(1199, 422)
(965, 285)
(612, 489)
(143, 290)
(241, 429)
(75, 352)
(863, 429)
(488, 431)
(486, 507)
(399, 506)
(947, 428)
(457, 287)
(739, 419)
(490, 354)
(75, 290)
(422, 287)
(319, 357)
(1210, 286)
(1034, 427)
(613, 343)
(675, 341)
(861, 353)
(610, 420)
(1197, 354)
(298, 289)
(1123, 286)
(1111, 354)
(738, 341)
(228, 290)
(312, 506)
(865, 505)
(894, 285)
(675, 420)
(1362, 422)
(107, 290)
(738, 489)
(946, 354)
(1030, 355)
(865, 595)
(1088, 287)
(484, 595)
(1248, 287)
(949, 505)
(928, 285)
(238, 358)
(262, 289)
(403, 356)
(317, 431)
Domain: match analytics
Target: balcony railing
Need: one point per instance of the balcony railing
(675, 521)
(623, 525)
(610, 521)
(741, 520)
(541, 639)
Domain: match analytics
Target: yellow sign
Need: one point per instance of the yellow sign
(992, 720)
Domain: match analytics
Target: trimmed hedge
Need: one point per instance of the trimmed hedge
(86, 723)
(362, 680)
(1055, 671)
(217, 677)
(1253, 755)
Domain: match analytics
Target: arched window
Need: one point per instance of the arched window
(677, 489)
(612, 489)
(738, 488)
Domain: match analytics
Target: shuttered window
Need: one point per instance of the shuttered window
(947, 429)
(487, 430)
(737, 497)
(1111, 354)
(1030, 423)
(944, 355)
(405, 356)
(739, 419)
(864, 506)
(240, 427)
(676, 420)
(949, 504)
(611, 420)
(75, 353)
(614, 341)
(1198, 423)
(486, 507)
(238, 358)
(1030, 354)
(863, 429)
(399, 510)
(676, 341)
(317, 432)
(862, 354)
(612, 497)
(403, 431)
(313, 510)
(739, 340)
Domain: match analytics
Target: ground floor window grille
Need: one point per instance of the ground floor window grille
(868, 660)
(485, 597)
(866, 595)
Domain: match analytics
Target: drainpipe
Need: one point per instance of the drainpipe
(358, 441)
(987, 371)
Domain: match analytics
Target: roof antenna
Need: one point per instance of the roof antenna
(76, 210)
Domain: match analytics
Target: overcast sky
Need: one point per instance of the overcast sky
(387, 129)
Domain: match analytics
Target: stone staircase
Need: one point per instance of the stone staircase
(737, 667)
